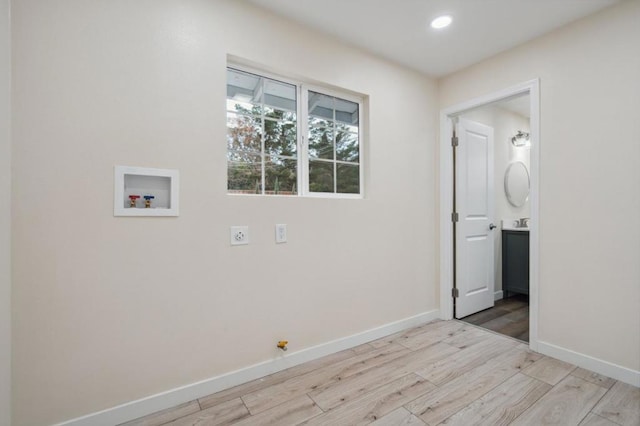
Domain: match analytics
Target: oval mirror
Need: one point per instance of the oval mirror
(516, 183)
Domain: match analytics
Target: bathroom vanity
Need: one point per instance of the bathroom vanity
(515, 261)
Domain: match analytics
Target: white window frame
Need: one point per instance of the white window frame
(302, 131)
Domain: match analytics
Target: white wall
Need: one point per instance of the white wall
(505, 125)
(5, 216)
(589, 175)
(108, 310)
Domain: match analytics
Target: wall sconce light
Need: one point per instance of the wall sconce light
(521, 139)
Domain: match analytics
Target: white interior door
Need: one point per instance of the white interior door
(475, 205)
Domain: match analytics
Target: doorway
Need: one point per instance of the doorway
(463, 259)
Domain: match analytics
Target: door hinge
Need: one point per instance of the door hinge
(455, 293)
(454, 141)
(454, 217)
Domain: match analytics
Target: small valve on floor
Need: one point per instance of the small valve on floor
(147, 200)
(132, 200)
(282, 344)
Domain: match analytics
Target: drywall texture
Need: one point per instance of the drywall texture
(110, 309)
(505, 124)
(5, 216)
(590, 145)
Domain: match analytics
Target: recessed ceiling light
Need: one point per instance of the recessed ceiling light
(441, 22)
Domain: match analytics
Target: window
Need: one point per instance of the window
(334, 148)
(286, 139)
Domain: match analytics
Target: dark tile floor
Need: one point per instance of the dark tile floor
(509, 316)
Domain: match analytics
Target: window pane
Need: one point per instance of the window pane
(320, 122)
(244, 132)
(280, 138)
(279, 114)
(348, 179)
(346, 111)
(244, 173)
(321, 143)
(279, 95)
(343, 127)
(244, 92)
(321, 105)
(320, 176)
(243, 107)
(347, 148)
(281, 176)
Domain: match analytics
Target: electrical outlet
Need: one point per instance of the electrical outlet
(239, 235)
(281, 233)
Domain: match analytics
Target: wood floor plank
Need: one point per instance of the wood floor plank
(361, 349)
(519, 314)
(524, 336)
(430, 337)
(405, 334)
(509, 317)
(465, 360)
(223, 414)
(513, 303)
(621, 405)
(393, 338)
(438, 405)
(500, 307)
(375, 404)
(501, 405)
(274, 379)
(590, 376)
(484, 316)
(399, 417)
(566, 404)
(497, 324)
(515, 330)
(264, 399)
(336, 393)
(166, 416)
(550, 370)
(292, 412)
(467, 336)
(595, 420)
(512, 324)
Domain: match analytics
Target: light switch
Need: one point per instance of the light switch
(281, 233)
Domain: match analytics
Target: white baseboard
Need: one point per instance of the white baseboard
(151, 404)
(596, 365)
(498, 295)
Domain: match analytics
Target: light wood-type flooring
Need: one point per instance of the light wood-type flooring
(509, 316)
(444, 372)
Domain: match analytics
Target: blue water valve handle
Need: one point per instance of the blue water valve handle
(147, 201)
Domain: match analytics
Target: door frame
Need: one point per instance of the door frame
(531, 87)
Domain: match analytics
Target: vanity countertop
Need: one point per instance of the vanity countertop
(514, 228)
(510, 225)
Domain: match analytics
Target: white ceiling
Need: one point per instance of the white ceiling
(399, 29)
